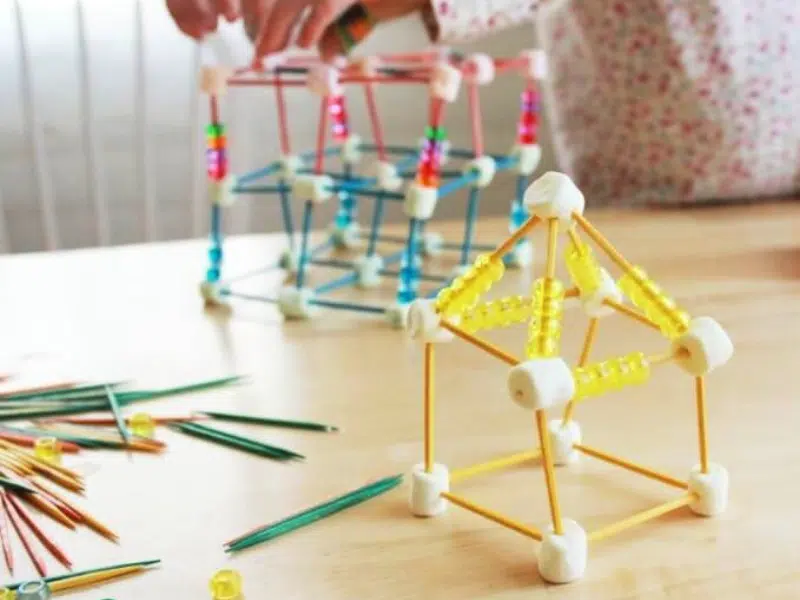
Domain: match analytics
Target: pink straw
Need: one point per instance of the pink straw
(377, 126)
(214, 108)
(283, 121)
(475, 117)
(323, 124)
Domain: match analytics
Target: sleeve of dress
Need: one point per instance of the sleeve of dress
(453, 21)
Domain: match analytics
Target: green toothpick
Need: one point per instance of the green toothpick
(144, 563)
(253, 420)
(237, 442)
(115, 410)
(313, 514)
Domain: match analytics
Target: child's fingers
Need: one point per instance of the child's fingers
(331, 45)
(321, 18)
(195, 18)
(227, 8)
(277, 23)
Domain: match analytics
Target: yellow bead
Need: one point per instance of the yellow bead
(6, 594)
(464, 291)
(654, 303)
(48, 449)
(142, 425)
(610, 375)
(583, 268)
(226, 584)
(544, 333)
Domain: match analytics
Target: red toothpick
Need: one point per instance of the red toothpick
(4, 539)
(323, 129)
(283, 120)
(377, 126)
(57, 553)
(37, 562)
(475, 117)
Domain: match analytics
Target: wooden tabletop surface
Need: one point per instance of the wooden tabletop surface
(133, 313)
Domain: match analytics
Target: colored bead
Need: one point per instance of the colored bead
(226, 584)
(48, 449)
(7, 594)
(583, 268)
(337, 108)
(142, 425)
(610, 375)
(215, 254)
(544, 333)
(34, 590)
(465, 290)
(212, 275)
(435, 133)
(528, 125)
(655, 304)
(215, 129)
(497, 313)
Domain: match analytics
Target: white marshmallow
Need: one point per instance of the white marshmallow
(541, 383)
(323, 80)
(703, 348)
(486, 167)
(350, 152)
(445, 82)
(295, 303)
(290, 165)
(521, 255)
(528, 158)
(432, 243)
(367, 66)
(210, 293)
(554, 195)
(562, 441)
(420, 201)
(534, 64)
(562, 558)
(480, 69)
(710, 489)
(424, 323)
(221, 192)
(289, 260)
(368, 269)
(397, 315)
(214, 80)
(316, 188)
(426, 489)
(387, 177)
(594, 305)
(346, 237)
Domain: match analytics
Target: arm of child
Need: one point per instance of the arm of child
(453, 21)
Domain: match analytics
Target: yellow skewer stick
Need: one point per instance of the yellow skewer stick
(588, 342)
(639, 518)
(549, 471)
(493, 516)
(493, 465)
(520, 233)
(700, 395)
(90, 579)
(429, 408)
(483, 345)
(631, 466)
(631, 312)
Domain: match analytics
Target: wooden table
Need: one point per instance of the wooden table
(134, 313)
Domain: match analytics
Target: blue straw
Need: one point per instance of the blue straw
(261, 189)
(377, 220)
(286, 213)
(348, 306)
(457, 184)
(341, 282)
(259, 173)
(301, 268)
(232, 294)
(472, 211)
(332, 263)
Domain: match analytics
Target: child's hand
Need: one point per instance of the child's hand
(198, 18)
(278, 19)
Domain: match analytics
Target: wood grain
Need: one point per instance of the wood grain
(133, 313)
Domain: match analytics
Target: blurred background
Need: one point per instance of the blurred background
(102, 140)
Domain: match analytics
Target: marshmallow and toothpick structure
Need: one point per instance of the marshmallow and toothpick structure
(542, 380)
(414, 177)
